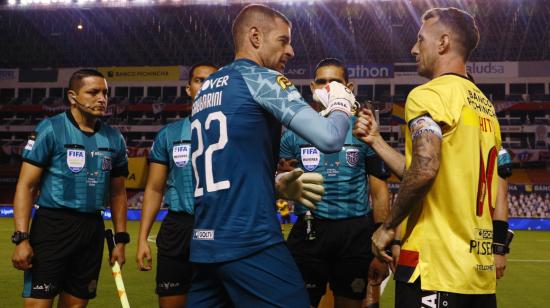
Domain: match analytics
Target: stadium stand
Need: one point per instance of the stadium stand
(367, 32)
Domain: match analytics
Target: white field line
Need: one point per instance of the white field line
(529, 261)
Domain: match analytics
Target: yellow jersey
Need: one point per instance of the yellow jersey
(447, 240)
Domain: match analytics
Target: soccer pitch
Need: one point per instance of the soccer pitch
(524, 283)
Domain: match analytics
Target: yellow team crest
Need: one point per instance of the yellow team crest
(283, 82)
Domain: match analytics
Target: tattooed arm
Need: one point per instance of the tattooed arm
(417, 180)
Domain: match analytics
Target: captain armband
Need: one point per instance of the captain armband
(504, 164)
(424, 124)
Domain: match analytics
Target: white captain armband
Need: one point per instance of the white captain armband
(424, 124)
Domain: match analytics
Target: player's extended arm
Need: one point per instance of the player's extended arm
(119, 213)
(500, 225)
(326, 134)
(417, 180)
(366, 130)
(26, 190)
(380, 196)
(152, 199)
(378, 271)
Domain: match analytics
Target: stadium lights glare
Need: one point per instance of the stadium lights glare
(130, 3)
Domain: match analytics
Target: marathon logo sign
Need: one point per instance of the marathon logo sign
(203, 235)
(310, 157)
(370, 71)
(180, 154)
(76, 159)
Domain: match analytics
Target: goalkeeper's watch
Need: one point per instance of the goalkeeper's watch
(19, 236)
(499, 249)
(122, 237)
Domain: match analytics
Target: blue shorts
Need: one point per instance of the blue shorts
(268, 278)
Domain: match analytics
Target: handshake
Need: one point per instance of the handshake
(336, 97)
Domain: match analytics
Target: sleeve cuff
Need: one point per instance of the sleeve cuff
(151, 160)
(35, 163)
(120, 171)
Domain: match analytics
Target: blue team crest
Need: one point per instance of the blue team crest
(107, 163)
(310, 158)
(352, 157)
(76, 159)
(180, 154)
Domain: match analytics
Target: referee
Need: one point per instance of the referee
(74, 164)
(170, 175)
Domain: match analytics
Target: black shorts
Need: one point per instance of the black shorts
(411, 295)
(174, 270)
(68, 248)
(340, 255)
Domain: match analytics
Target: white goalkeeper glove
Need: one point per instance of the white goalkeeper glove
(305, 188)
(336, 96)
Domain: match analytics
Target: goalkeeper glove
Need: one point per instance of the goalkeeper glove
(305, 188)
(336, 96)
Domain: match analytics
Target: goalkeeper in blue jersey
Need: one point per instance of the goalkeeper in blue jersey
(77, 165)
(170, 175)
(237, 246)
(331, 243)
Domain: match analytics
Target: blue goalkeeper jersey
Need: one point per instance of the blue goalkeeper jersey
(172, 148)
(235, 129)
(77, 165)
(345, 173)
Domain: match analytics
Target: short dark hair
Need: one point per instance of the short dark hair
(265, 14)
(461, 23)
(333, 62)
(195, 66)
(75, 82)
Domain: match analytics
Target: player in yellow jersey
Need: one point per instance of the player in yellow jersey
(448, 193)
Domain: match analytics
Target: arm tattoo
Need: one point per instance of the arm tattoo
(418, 179)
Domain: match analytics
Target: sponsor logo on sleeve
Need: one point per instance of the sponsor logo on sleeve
(283, 82)
(30, 142)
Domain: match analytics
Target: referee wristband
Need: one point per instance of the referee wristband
(122, 237)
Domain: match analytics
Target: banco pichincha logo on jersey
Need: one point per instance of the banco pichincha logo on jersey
(310, 157)
(76, 159)
(180, 154)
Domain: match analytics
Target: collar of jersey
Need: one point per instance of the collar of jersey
(97, 126)
(247, 61)
(469, 77)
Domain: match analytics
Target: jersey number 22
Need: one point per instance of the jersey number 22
(211, 185)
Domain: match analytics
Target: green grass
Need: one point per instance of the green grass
(525, 283)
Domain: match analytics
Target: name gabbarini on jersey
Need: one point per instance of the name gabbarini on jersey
(211, 99)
